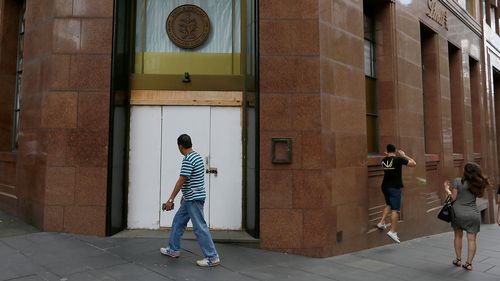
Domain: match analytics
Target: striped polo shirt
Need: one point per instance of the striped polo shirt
(194, 170)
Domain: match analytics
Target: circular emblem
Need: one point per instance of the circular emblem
(188, 26)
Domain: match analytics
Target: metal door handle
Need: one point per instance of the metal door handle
(211, 170)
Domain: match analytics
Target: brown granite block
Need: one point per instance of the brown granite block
(309, 190)
(289, 74)
(85, 220)
(355, 89)
(325, 11)
(91, 186)
(93, 8)
(89, 148)
(276, 188)
(281, 228)
(352, 219)
(57, 147)
(275, 112)
(97, 36)
(59, 110)
(329, 152)
(344, 111)
(63, 8)
(348, 185)
(312, 150)
(319, 227)
(38, 11)
(344, 47)
(60, 186)
(306, 112)
(348, 15)
(90, 72)
(53, 218)
(31, 113)
(289, 37)
(37, 41)
(327, 77)
(350, 150)
(282, 9)
(57, 77)
(66, 35)
(93, 110)
(31, 82)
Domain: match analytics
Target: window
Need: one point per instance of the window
(430, 64)
(456, 98)
(475, 78)
(471, 7)
(493, 13)
(371, 85)
(19, 75)
(155, 53)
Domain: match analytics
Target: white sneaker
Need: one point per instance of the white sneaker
(206, 262)
(381, 226)
(169, 252)
(394, 236)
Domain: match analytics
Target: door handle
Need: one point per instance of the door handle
(211, 170)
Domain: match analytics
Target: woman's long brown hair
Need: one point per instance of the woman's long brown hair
(476, 180)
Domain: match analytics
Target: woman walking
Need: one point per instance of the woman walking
(467, 217)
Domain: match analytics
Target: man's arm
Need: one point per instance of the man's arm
(411, 162)
(178, 185)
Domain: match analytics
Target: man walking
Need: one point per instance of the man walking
(192, 184)
(391, 187)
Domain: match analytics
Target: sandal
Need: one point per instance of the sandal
(457, 262)
(467, 266)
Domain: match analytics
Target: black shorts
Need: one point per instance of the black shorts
(392, 197)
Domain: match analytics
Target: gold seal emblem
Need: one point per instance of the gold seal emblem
(188, 26)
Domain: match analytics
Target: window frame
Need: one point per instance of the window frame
(139, 81)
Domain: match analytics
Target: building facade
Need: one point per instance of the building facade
(290, 102)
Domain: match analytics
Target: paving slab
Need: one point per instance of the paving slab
(28, 254)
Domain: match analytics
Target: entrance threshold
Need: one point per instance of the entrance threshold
(220, 236)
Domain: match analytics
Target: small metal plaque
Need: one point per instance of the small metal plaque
(281, 151)
(188, 26)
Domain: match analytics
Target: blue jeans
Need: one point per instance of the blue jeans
(192, 210)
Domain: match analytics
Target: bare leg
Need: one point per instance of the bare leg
(387, 209)
(394, 220)
(471, 247)
(458, 243)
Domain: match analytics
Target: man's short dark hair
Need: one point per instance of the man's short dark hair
(391, 148)
(185, 141)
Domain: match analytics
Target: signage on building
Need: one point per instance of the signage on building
(188, 26)
(438, 13)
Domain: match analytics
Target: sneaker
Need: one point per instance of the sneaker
(169, 252)
(381, 226)
(394, 236)
(206, 262)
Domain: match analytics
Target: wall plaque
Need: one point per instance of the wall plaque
(188, 26)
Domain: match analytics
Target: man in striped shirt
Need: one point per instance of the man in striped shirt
(192, 184)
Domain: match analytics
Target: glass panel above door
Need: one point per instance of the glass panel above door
(156, 53)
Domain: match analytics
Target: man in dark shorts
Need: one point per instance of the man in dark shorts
(391, 187)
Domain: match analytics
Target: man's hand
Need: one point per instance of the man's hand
(167, 206)
(402, 153)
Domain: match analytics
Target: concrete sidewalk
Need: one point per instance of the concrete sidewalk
(29, 255)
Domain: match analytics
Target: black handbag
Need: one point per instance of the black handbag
(446, 213)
